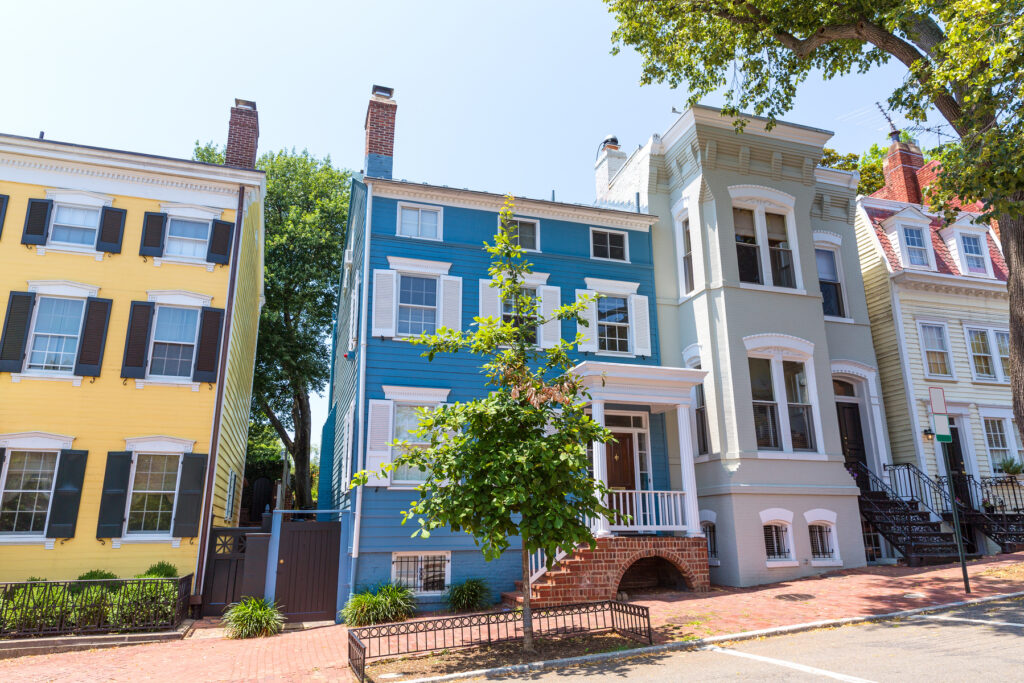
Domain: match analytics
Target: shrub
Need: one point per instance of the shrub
(160, 570)
(380, 605)
(471, 594)
(143, 603)
(96, 574)
(30, 608)
(253, 618)
(1010, 466)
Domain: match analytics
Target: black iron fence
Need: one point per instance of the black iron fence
(51, 608)
(426, 635)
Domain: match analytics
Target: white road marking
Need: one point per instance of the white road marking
(971, 621)
(790, 665)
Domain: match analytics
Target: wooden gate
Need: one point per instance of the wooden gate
(224, 569)
(307, 570)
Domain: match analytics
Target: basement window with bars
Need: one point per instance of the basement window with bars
(709, 533)
(422, 573)
(776, 542)
(821, 542)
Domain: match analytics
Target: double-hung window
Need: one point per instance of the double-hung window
(74, 225)
(784, 403)
(917, 248)
(831, 287)
(1002, 438)
(801, 412)
(700, 410)
(613, 324)
(54, 343)
(26, 491)
(974, 258)
(990, 353)
(780, 251)
(153, 493)
(187, 239)
(608, 244)
(407, 421)
(525, 233)
(509, 314)
(936, 350)
(748, 255)
(766, 412)
(174, 341)
(417, 305)
(418, 221)
(687, 258)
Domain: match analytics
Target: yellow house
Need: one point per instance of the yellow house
(130, 290)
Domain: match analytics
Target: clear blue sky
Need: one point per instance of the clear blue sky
(505, 97)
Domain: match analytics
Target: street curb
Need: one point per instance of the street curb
(712, 640)
(25, 647)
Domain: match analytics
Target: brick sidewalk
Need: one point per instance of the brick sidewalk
(319, 654)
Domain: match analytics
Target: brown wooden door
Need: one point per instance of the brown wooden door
(621, 470)
(307, 570)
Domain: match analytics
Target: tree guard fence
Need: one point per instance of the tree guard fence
(469, 630)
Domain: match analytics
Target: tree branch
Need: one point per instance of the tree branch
(278, 427)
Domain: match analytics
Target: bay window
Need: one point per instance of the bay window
(780, 251)
(748, 255)
(764, 230)
(687, 258)
(785, 405)
(766, 412)
(801, 419)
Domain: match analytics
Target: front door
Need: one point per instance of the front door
(954, 453)
(621, 469)
(851, 434)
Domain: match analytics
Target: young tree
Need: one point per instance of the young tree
(515, 462)
(305, 215)
(962, 58)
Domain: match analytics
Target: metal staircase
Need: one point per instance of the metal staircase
(903, 523)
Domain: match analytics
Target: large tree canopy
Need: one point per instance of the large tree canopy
(962, 59)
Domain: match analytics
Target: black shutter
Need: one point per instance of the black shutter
(67, 493)
(37, 221)
(219, 249)
(3, 212)
(93, 338)
(115, 494)
(111, 230)
(136, 342)
(15, 334)
(208, 350)
(153, 225)
(190, 496)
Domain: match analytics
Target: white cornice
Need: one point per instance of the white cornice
(36, 441)
(196, 211)
(711, 116)
(614, 287)
(159, 444)
(486, 201)
(952, 284)
(834, 176)
(63, 196)
(417, 265)
(777, 343)
(62, 288)
(178, 297)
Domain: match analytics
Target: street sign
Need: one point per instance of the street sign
(938, 400)
(942, 433)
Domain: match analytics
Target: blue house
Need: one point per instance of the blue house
(414, 263)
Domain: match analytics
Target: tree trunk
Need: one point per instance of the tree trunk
(300, 449)
(1011, 234)
(527, 612)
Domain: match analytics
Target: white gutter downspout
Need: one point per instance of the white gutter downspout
(364, 296)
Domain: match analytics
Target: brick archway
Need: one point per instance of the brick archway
(673, 558)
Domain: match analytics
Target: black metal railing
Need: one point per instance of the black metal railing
(1002, 495)
(469, 630)
(49, 608)
(421, 573)
(911, 484)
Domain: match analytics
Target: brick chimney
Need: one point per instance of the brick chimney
(380, 132)
(243, 134)
(900, 167)
(609, 160)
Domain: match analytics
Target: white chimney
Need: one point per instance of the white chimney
(609, 160)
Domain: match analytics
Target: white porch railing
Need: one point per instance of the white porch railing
(647, 510)
(539, 563)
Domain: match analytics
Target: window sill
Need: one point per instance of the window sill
(141, 383)
(791, 455)
(945, 378)
(144, 538)
(781, 563)
(14, 539)
(58, 249)
(614, 354)
(181, 261)
(992, 382)
(773, 288)
(837, 319)
(75, 380)
(609, 260)
(714, 562)
(834, 562)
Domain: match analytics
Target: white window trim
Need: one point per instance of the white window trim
(993, 349)
(178, 297)
(421, 553)
(785, 519)
(921, 322)
(159, 444)
(149, 537)
(194, 214)
(832, 246)
(953, 237)
(38, 373)
(625, 243)
(630, 326)
(415, 266)
(760, 199)
(398, 301)
(63, 288)
(612, 287)
(73, 200)
(35, 441)
(420, 207)
(535, 221)
(31, 538)
(1005, 415)
(415, 396)
(827, 518)
(171, 379)
(778, 348)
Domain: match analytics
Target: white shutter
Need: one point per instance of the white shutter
(353, 317)
(385, 296)
(451, 302)
(378, 439)
(551, 331)
(590, 315)
(640, 325)
(490, 301)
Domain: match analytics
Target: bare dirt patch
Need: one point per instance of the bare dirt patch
(1012, 572)
(500, 654)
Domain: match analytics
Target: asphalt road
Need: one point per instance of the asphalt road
(978, 643)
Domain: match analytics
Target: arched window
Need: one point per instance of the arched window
(822, 547)
(783, 393)
(776, 541)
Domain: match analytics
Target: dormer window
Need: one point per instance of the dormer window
(974, 255)
(917, 249)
